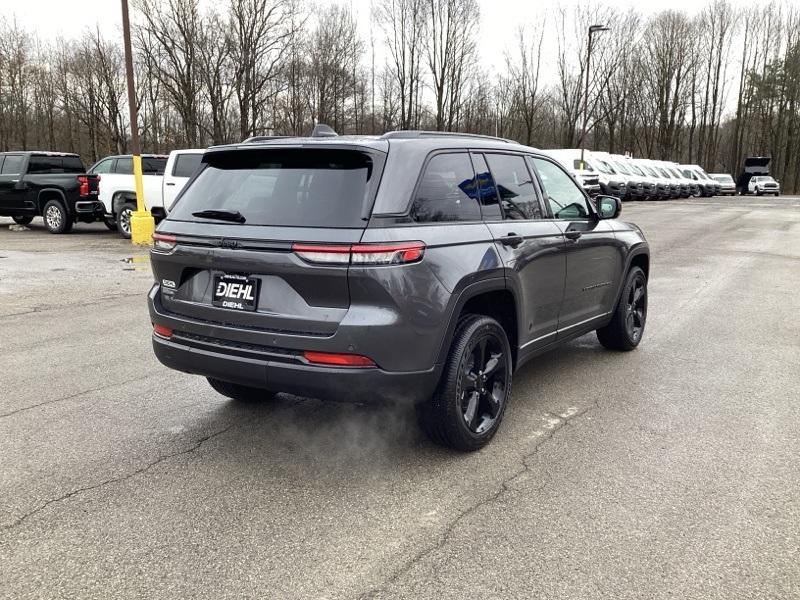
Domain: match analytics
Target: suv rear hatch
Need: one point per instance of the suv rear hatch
(260, 238)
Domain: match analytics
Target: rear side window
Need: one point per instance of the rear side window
(515, 187)
(308, 188)
(447, 191)
(186, 165)
(40, 165)
(103, 166)
(154, 166)
(124, 166)
(12, 165)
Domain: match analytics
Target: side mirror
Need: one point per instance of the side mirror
(608, 207)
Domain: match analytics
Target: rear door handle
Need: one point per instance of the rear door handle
(169, 183)
(573, 235)
(511, 239)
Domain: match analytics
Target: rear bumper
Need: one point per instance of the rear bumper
(90, 208)
(292, 374)
(262, 360)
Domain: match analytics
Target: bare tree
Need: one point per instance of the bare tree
(406, 23)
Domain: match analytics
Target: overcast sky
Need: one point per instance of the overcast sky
(499, 18)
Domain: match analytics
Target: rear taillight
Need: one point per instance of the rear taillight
(338, 359)
(398, 253)
(162, 330)
(163, 241)
(83, 185)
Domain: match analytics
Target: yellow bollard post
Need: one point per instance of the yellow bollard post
(142, 223)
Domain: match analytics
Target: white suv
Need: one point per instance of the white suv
(763, 184)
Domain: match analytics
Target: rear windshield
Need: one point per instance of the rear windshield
(283, 187)
(40, 165)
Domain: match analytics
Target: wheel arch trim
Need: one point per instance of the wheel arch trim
(473, 290)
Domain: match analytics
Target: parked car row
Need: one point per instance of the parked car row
(57, 187)
(636, 178)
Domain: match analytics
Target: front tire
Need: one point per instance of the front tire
(468, 406)
(124, 220)
(110, 223)
(240, 393)
(625, 330)
(56, 217)
(22, 220)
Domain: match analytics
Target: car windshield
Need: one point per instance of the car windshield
(723, 178)
(282, 187)
(622, 168)
(636, 169)
(605, 167)
(650, 171)
(586, 166)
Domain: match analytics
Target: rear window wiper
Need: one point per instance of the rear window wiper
(221, 215)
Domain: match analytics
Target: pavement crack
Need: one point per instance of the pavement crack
(72, 396)
(118, 479)
(505, 486)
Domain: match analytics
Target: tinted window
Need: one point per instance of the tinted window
(515, 186)
(186, 165)
(72, 164)
(487, 190)
(154, 166)
(310, 188)
(38, 165)
(124, 166)
(447, 191)
(564, 196)
(103, 166)
(12, 165)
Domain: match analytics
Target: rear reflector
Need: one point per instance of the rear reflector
(162, 330)
(361, 254)
(163, 241)
(334, 358)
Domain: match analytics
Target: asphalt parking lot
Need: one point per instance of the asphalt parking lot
(671, 471)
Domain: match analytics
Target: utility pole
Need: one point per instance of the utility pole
(592, 30)
(142, 222)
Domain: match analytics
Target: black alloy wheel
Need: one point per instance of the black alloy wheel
(468, 406)
(626, 327)
(636, 308)
(483, 385)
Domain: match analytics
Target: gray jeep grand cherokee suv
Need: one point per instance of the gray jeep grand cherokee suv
(414, 266)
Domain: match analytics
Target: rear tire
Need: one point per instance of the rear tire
(110, 223)
(626, 328)
(124, 220)
(56, 217)
(240, 393)
(468, 406)
(22, 220)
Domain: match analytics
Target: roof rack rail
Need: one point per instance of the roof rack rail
(416, 134)
(264, 138)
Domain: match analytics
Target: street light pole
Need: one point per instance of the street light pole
(592, 30)
(142, 223)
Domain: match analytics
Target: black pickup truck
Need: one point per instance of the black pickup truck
(52, 185)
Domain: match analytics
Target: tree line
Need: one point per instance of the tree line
(708, 89)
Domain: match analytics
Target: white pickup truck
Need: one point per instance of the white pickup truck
(163, 178)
